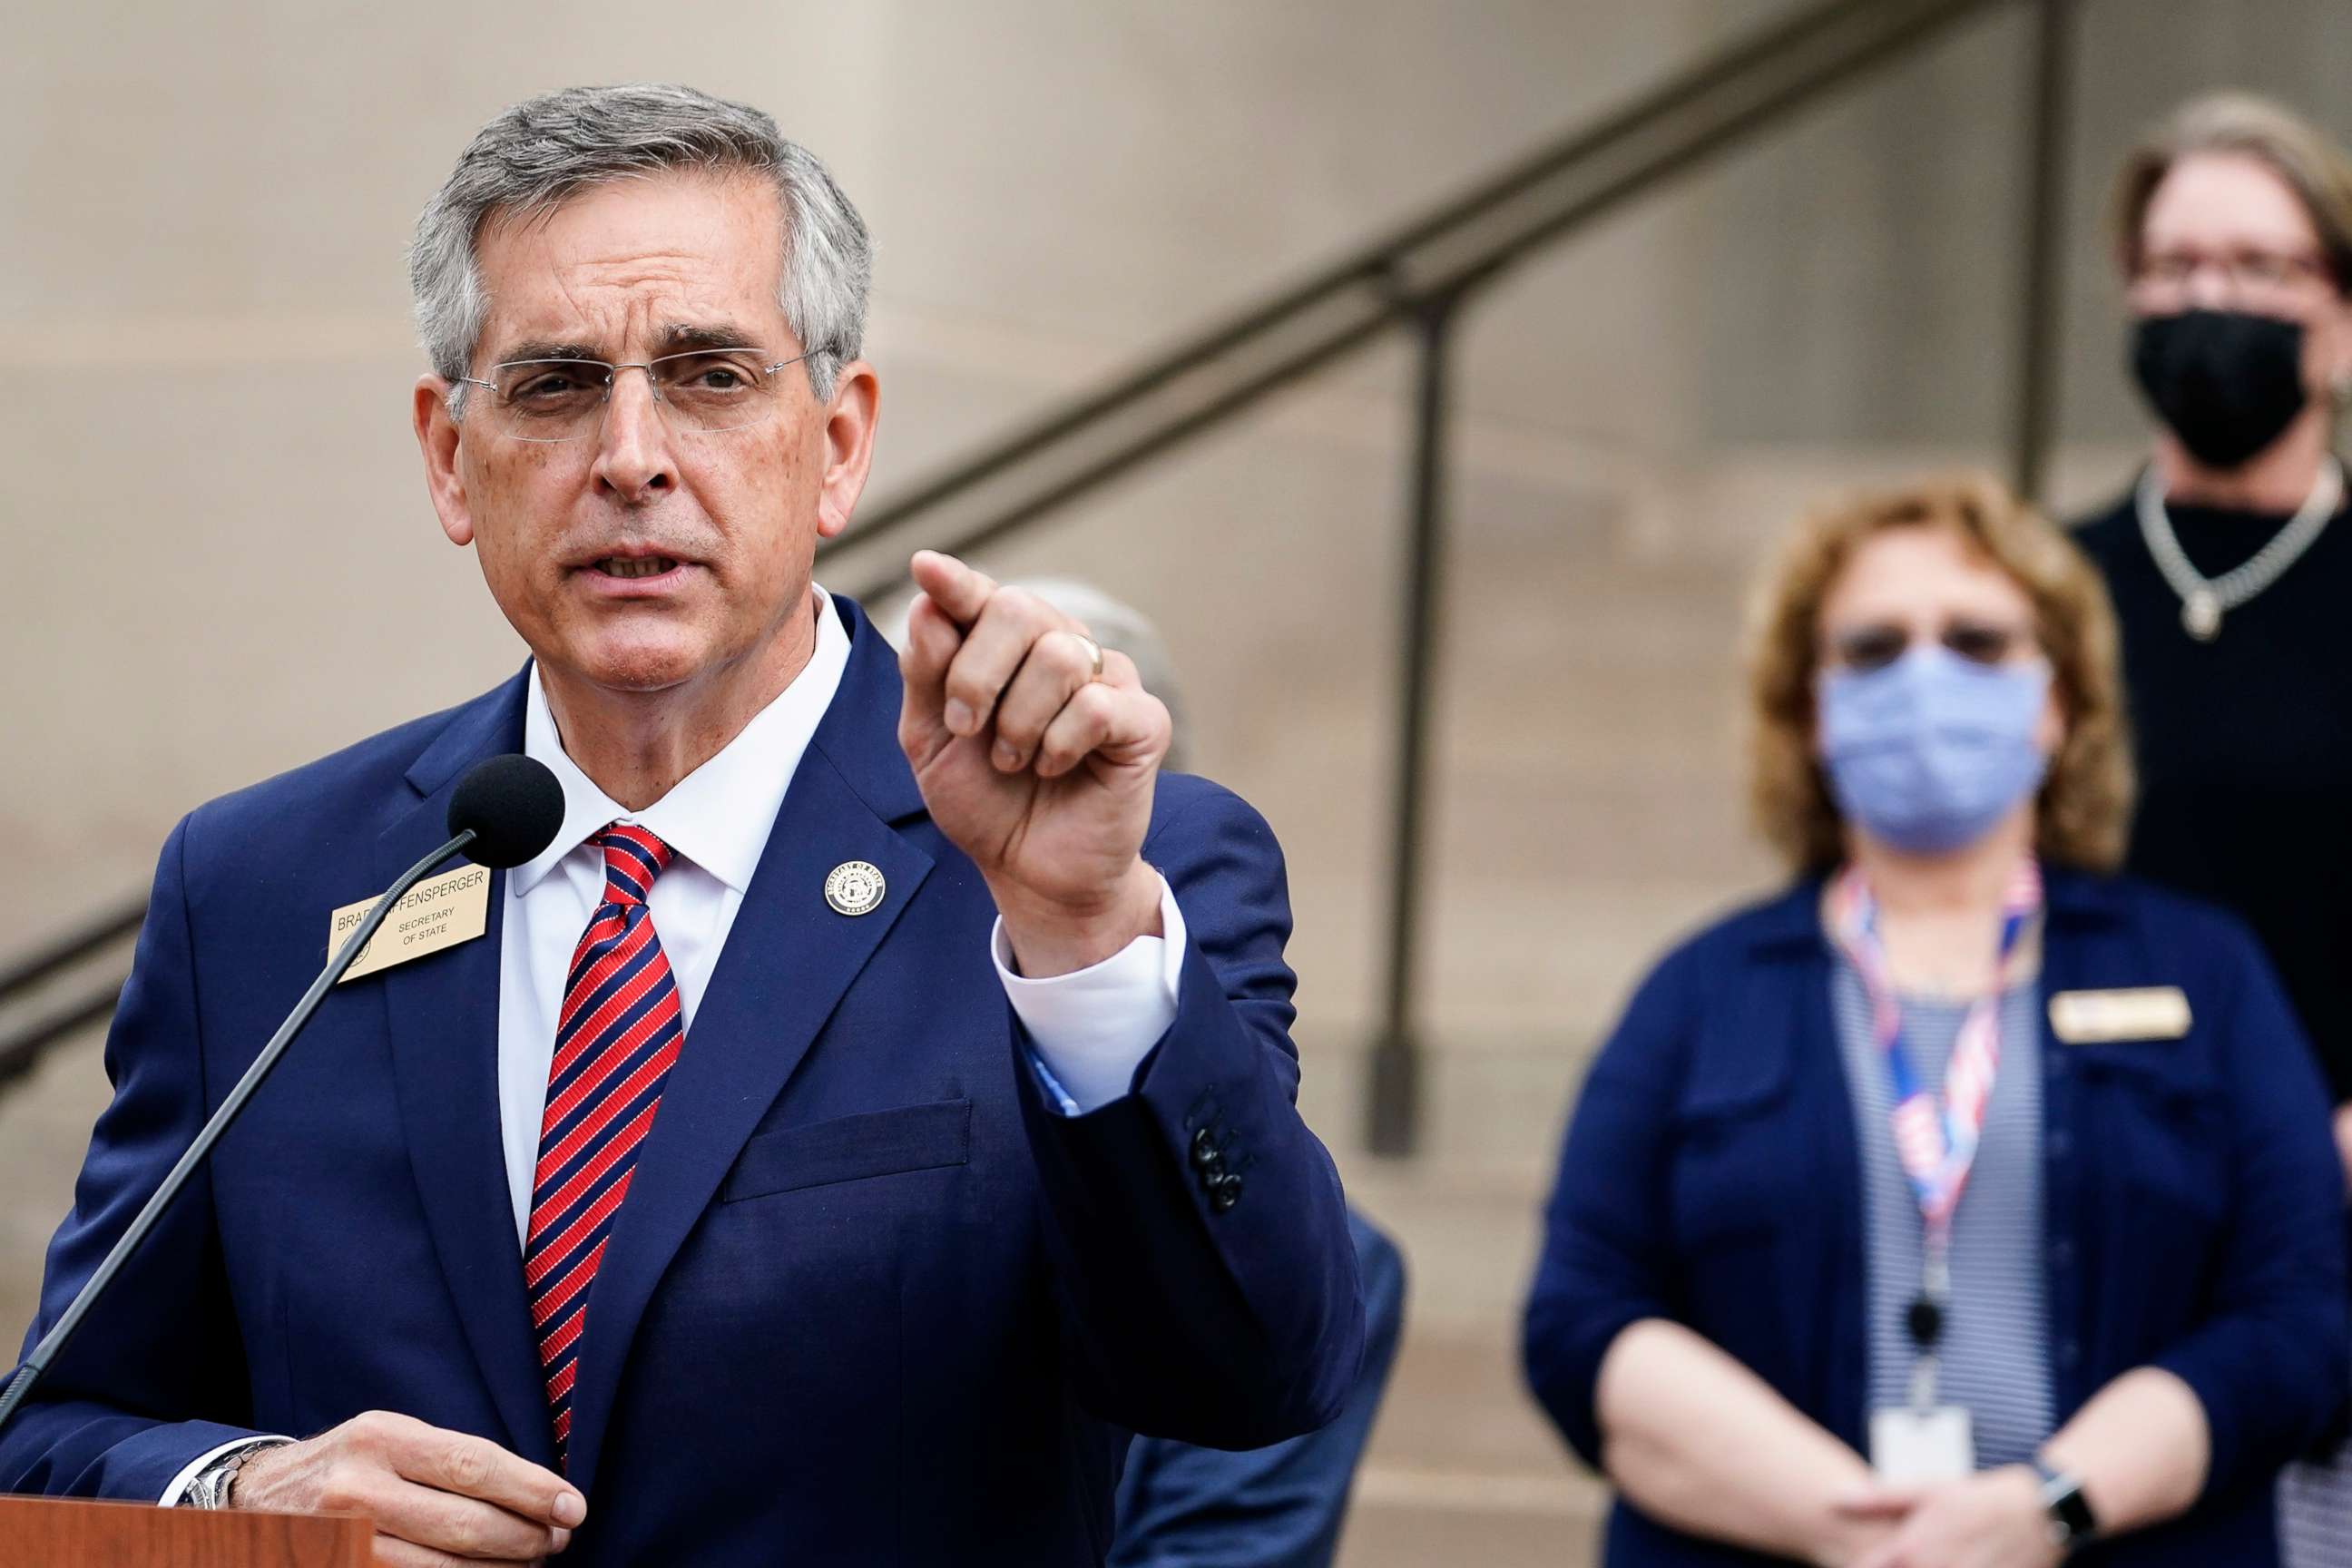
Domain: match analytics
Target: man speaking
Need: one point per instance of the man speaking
(876, 1101)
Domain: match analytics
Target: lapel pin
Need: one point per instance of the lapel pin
(853, 889)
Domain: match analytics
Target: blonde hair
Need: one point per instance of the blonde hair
(2314, 167)
(2084, 811)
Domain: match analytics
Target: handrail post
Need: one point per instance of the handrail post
(1394, 1104)
(2044, 249)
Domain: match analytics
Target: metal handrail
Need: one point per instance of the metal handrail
(1417, 276)
(23, 1044)
(23, 1049)
(71, 947)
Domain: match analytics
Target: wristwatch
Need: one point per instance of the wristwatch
(2072, 1523)
(211, 1487)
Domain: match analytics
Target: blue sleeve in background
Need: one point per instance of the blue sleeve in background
(1277, 1507)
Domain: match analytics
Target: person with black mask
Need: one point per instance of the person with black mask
(2230, 564)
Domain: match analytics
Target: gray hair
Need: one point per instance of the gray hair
(546, 149)
(2310, 163)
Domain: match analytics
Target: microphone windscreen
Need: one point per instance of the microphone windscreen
(514, 807)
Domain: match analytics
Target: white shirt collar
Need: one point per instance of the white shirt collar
(718, 815)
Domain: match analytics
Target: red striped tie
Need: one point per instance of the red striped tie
(615, 1043)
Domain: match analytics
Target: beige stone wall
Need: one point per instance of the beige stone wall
(225, 564)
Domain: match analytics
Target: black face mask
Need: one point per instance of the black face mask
(2227, 384)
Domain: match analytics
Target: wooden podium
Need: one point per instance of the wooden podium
(37, 1533)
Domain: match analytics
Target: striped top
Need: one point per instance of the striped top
(1996, 1342)
(2315, 1512)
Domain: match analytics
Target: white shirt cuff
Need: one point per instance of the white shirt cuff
(1093, 1027)
(177, 1492)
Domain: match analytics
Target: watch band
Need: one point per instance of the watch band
(210, 1490)
(2072, 1523)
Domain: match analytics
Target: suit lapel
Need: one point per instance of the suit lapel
(788, 959)
(444, 1017)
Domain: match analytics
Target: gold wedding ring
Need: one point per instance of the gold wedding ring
(1093, 652)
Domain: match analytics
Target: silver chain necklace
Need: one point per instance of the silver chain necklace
(2204, 600)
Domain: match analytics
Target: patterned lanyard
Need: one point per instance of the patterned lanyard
(1937, 1143)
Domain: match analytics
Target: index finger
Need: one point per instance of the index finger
(958, 589)
(932, 640)
(475, 1467)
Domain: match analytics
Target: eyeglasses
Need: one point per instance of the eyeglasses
(1867, 649)
(565, 399)
(2249, 271)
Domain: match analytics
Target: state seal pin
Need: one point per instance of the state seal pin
(854, 888)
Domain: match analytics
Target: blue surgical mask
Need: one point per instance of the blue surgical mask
(1930, 753)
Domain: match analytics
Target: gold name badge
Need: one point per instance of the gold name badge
(2099, 1018)
(438, 912)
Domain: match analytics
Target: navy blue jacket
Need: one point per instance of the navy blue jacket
(1281, 1507)
(2195, 1202)
(870, 1301)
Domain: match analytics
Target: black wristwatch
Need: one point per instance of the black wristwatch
(2072, 1523)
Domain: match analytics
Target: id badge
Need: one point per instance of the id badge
(1911, 1447)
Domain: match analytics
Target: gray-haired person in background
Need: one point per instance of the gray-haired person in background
(1186, 1506)
(2229, 563)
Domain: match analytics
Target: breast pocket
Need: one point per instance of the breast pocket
(1738, 1178)
(851, 1149)
(2160, 1133)
(1733, 1171)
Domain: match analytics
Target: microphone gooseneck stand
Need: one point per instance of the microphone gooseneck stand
(63, 1329)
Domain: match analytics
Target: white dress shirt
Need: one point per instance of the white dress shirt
(1092, 1028)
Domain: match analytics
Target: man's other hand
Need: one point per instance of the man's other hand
(440, 1499)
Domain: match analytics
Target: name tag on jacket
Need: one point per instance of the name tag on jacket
(2098, 1017)
(438, 912)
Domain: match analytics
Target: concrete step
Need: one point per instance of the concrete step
(1403, 1523)
(1463, 1468)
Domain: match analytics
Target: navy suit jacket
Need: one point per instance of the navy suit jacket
(870, 1299)
(2194, 1201)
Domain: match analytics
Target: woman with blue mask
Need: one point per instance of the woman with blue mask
(1961, 1204)
(2229, 562)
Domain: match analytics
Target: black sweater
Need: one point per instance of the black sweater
(2244, 746)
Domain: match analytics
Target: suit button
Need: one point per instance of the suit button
(1204, 1151)
(1224, 1192)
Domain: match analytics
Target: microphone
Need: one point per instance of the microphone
(503, 811)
